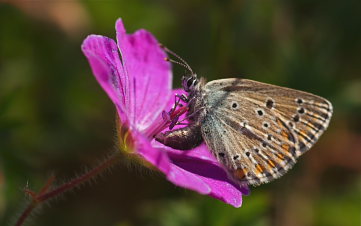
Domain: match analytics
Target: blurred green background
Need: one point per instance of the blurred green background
(55, 119)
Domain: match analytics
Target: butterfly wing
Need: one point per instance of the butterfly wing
(257, 130)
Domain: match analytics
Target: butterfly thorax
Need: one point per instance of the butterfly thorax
(190, 136)
(195, 102)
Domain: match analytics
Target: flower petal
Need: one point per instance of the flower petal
(200, 163)
(185, 169)
(154, 156)
(103, 57)
(160, 159)
(149, 75)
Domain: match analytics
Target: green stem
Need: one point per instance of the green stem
(44, 195)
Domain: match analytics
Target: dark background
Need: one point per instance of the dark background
(55, 119)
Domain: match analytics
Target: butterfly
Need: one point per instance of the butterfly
(256, 130)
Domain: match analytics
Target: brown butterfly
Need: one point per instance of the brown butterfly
(255, 130)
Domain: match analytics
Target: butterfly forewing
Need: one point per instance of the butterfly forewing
(256, 130)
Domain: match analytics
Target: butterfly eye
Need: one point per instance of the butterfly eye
(189, 82)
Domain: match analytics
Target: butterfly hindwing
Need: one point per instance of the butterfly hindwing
(256, 130)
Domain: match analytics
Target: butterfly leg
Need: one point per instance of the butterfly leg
(172, 116)
(187, 117)
(180, 123)
(177, 99)
(185, 138)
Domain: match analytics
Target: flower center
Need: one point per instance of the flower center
(125, 138)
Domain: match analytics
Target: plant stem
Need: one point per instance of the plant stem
(44, 194)
(26, 213)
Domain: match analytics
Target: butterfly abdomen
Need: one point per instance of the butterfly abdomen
(182, 139)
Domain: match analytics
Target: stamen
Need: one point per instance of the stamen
(161, 123)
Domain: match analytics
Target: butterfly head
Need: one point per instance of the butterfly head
(189, 82)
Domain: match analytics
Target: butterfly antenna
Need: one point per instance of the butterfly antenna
(182, 63)
(176, 62)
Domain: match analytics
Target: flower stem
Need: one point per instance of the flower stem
(45, 194)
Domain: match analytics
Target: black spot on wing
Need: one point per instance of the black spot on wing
(269, 103)
(296, 118)
(280, 169)
(302, 147)
(319, 126)
(301, 110)
(289, 160)
(299, 101)
(291, 138)
(311, 135)
(325, 116)
(293, 151)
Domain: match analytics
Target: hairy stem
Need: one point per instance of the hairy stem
(45, 194)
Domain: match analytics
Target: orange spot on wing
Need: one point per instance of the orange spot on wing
(285, 147)
(259, 169)
(280, 156)
(271, 163)
(284, 134)
(240, 173)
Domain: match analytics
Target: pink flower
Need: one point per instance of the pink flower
(138, 81)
